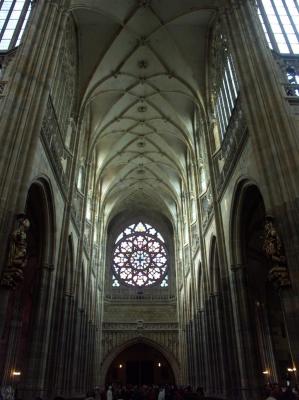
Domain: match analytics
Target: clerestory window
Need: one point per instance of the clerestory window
(14, 15)
(226, 87)
(280, 21)
(140, 257)
(227, 95)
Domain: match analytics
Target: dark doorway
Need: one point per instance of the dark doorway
(140, 372)
(140, 364)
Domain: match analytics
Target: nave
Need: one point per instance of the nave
(149, 198)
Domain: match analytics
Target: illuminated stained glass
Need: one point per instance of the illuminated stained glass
(140, 257)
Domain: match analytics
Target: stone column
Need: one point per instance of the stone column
(83, 351)
(246, 349)
(199, 345)
(76, 368)
(219, 345)
(205, 341)
(197, 353)
(62, 351)
(35, 380)
(13, 341)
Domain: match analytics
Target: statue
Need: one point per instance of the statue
(273, 248)
(17, 255)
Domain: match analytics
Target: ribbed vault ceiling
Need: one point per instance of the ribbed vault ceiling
(142, 78)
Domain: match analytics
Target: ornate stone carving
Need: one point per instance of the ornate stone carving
(17, 255)
(288, 68)
(233, 143)
(273, 248)
(117, 333)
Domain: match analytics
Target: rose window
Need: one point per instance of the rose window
(140, 257)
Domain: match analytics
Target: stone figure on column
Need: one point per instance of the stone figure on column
(17, 254)
(273, 248)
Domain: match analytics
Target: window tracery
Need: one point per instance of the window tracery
(140, 257)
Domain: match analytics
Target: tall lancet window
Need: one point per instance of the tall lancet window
(14, 15)
(140, 257)
(226, 87)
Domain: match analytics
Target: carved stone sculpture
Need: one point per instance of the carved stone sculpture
(278, 273)
(17, 255)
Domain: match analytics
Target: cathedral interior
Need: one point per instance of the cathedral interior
(149, 195)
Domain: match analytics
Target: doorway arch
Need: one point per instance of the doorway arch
(40, 209)
(25, 339)
(261, 328)
(142, 345)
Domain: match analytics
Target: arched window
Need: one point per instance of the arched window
(280, 21)
(140, 257)
(13, 19)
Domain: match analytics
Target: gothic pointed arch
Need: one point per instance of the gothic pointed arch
(41, 193)
(137, 340)
(260, 317)
(29, 304)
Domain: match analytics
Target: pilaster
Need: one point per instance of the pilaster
(249, 386)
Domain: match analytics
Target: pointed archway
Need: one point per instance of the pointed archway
(259, 312)
(140, 364)
(140, 361)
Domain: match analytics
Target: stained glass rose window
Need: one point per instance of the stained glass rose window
(140, 257)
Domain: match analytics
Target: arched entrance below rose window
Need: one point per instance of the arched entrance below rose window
(140, 364)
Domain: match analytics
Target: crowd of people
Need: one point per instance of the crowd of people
(171, 392)
(145, 392)
(274, 391)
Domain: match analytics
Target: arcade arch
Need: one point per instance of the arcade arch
(258, 302)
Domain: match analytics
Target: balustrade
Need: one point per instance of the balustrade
(289, 79)
(289, 73)
(153, 295)
(132, 326)
(227, 155)
(59, 155)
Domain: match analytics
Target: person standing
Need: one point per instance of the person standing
(109, 393)
(161, 395)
